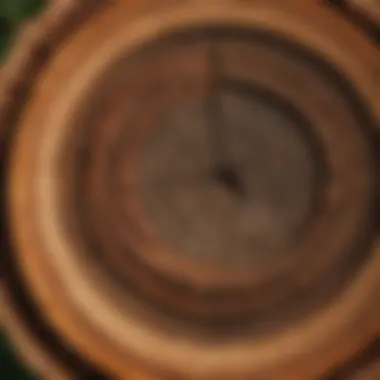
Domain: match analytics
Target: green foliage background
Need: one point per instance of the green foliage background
(12, 13)
(10, 368)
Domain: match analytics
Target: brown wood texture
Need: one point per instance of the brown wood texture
(95, 252)
(370, 8)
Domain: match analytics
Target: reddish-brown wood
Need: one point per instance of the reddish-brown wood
(96, 253)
